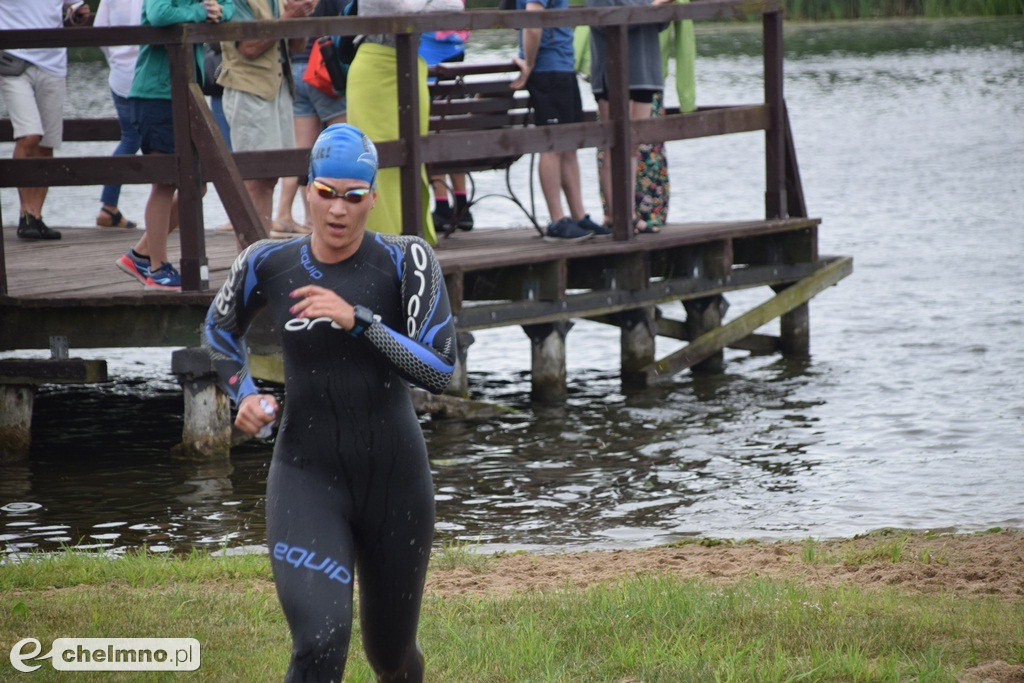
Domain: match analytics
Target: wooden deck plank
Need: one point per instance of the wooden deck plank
(80, 267)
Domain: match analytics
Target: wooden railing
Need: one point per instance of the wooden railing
(202, 155)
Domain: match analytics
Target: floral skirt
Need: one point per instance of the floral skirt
(652, 186)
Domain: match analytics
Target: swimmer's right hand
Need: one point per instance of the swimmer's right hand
(252, 416)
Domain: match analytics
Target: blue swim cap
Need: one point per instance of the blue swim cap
(343, 151)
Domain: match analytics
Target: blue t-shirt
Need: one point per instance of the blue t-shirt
(435, 51)
(555, 51)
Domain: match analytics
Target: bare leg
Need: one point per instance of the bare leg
(439, 187)
(261, 190)
(571, 183)
(32, 198)
(158, 224)
(306, 130)
(637, 110)
(549, 170)
(604, 176)
(458, 182)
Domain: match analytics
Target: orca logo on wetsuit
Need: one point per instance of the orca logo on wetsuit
(301, 557)
(419, 259)
(300, 324)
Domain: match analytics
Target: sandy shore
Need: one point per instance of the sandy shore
(969, 564)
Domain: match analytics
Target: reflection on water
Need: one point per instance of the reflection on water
(910, 413)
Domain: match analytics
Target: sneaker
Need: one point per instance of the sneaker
(32, 228)
(465, 221)
(442, 216)
(164, 278)
(566, 230)
(593, 227)
(137, 267)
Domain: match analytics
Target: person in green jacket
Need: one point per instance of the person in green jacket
(150, 102)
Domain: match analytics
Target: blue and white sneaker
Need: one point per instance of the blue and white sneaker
(593, 227)
(164, 278)
(137, 267)
(566, 230)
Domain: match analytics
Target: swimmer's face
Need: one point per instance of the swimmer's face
(339, 207)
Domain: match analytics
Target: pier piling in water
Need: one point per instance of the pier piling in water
(15, 422)
(639, 330)
(18, 380)
(547, 366)
(206, 431)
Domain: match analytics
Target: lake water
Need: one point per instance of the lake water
(909, 414)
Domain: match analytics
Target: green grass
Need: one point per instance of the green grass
(460, 554)
(648, 628)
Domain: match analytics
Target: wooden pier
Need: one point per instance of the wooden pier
(495, 277)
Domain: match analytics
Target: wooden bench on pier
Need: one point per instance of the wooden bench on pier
(474, 97)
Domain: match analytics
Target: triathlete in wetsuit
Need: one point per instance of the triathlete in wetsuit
(349, 490)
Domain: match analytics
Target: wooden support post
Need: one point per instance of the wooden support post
(195, 271)
(206, 432)
(15, 422)
(704, 315)
(775, 135)
(639, 329)
(796, 205)
(218, 161)
(459, 386)
(547, 367)
(795, 329)
(407, 58)
(831, 272)
(620, 154)
(19, 376)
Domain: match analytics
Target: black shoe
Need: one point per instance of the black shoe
(443, 219)
(32, 228)
(465, 220)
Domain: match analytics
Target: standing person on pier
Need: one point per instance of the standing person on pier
(150, 101)
(349, 490)
(373, 107)
(258, 91)
(438, 47)
(121, 59)
(546, 64)
(645, 82)
(313, 111)
(33, 85)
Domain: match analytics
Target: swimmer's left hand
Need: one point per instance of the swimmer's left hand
(319, 302)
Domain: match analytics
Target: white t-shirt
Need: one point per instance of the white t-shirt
(121, 58)
(25, 14)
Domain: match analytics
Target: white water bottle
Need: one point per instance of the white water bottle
(267, 429)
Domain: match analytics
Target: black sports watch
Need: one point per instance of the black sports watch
(364, 318)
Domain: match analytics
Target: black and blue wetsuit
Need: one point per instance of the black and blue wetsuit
(349, 490)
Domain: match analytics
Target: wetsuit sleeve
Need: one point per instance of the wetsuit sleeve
(424, 352)
(228, 318)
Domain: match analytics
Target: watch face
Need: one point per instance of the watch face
(364, 316)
